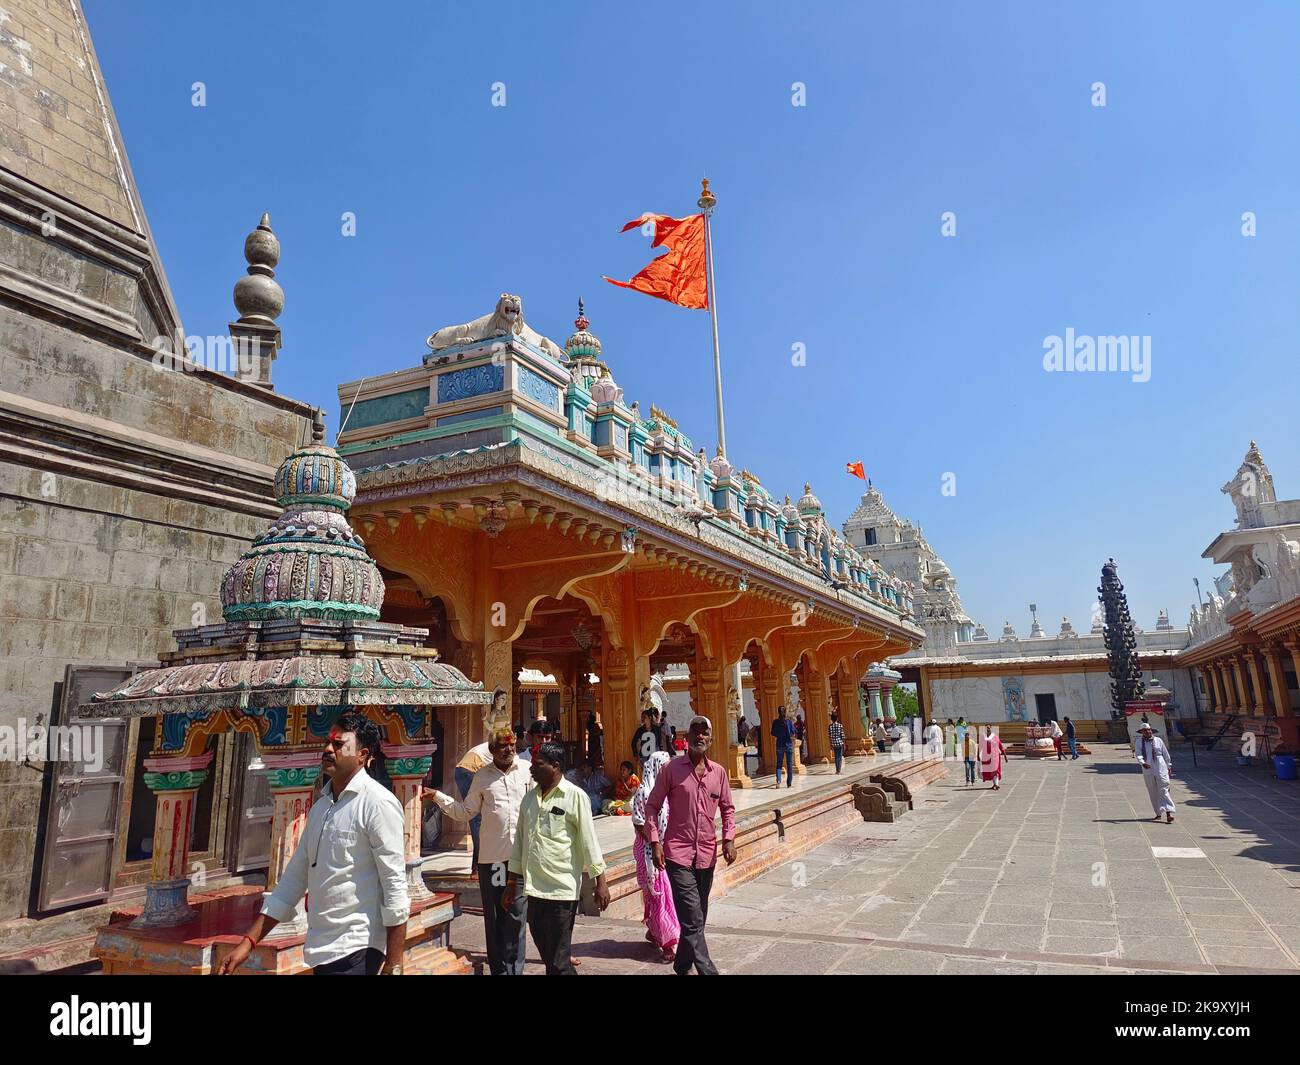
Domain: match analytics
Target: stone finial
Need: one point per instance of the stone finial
(259, 297)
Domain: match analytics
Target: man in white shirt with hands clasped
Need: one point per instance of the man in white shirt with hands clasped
(495, 794)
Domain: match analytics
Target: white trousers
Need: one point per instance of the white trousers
(1158, 789)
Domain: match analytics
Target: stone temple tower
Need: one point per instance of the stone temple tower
(128, 483)
(901, 548)
(1251, 487)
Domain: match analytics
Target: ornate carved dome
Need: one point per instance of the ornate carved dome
(309, 563)
(809, 503)
(582, 343)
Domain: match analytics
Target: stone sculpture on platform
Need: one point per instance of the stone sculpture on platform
(506, 320)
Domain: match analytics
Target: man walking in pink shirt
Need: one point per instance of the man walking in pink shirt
(694, 789)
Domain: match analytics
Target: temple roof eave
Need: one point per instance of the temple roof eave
(515, 464)
(1227, 544)
(313, 680)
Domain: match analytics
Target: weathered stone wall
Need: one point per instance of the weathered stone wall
(94, 572)
(95, 575)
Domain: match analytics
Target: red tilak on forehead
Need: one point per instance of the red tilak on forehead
(335, 733)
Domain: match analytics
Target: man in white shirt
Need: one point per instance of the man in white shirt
(351, 863)
(474, 759)
(495, 795)
(1157, 768)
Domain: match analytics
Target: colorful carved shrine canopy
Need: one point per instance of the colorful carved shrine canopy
(301, 609)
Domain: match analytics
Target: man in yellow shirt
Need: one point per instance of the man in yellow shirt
(555, 843)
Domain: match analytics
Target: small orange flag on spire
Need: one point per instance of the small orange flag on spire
(856, 469)
(679, 276)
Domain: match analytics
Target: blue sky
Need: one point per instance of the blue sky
(924, 353)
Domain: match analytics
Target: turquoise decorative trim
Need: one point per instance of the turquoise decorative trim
(309, 607)
(295, 778)
(408, 767)
(470, 382)
(182, 781)
(382, 409)
(470, 415)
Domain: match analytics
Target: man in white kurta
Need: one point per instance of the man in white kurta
(1153, 757)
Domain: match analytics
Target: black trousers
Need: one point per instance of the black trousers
(507, 932)
(551, 923)
(364, 962)
(691, 889)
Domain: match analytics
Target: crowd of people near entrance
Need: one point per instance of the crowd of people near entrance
(531, 819)
(532, 828)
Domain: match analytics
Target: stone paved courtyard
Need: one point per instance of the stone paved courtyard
(1055, 873)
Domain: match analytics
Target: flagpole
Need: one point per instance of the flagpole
(706, 203)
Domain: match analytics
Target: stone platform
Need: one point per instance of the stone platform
(773, 825)
(1061, 871)
(197, 948)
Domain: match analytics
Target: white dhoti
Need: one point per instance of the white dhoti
(1157, 782)
(1153, 752)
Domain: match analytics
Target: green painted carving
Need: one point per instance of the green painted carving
(182, 781)
(408, 767)
(296, 778)
(308, 607)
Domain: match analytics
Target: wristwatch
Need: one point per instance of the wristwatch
(396, 970)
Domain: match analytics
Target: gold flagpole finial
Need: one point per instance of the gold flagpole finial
(707, 199)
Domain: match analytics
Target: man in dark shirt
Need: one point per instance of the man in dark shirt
(836, 735)
(645, 740)
(664, 732)
(783, 733)
(1070, 738)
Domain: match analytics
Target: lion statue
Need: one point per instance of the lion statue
(507, 319)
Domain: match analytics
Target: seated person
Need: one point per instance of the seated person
(621, 804)
(593, 782)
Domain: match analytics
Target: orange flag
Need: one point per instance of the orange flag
(679, 275)
(856, 469)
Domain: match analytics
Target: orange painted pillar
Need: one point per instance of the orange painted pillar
(175, 783)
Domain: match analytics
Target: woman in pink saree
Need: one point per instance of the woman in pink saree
(992, 754)
(660, 916)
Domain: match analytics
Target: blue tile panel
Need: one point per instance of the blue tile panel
(470, 382)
